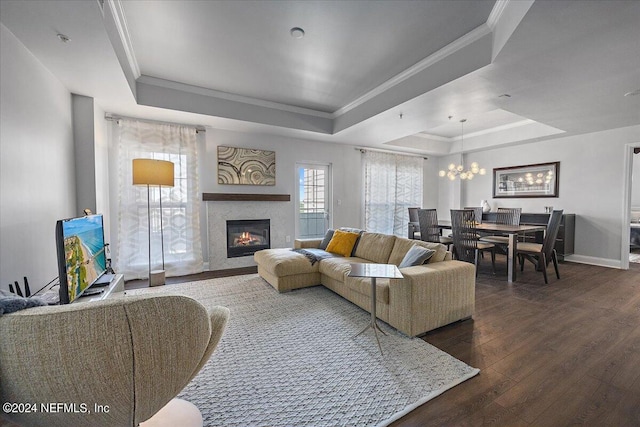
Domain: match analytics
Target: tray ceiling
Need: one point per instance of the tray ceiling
(379, 73)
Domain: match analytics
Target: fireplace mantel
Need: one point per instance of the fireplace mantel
(241, 197)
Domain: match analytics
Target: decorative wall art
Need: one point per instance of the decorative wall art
(246, 166)
(539, 180)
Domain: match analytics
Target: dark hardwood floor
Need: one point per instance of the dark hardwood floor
(566, 353)
(136, 284)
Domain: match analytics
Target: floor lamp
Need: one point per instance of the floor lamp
(154, 172)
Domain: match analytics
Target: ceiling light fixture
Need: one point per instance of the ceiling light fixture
(297, 32)
(458, 171)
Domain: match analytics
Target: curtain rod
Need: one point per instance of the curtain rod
(115, 117)
(363, 149)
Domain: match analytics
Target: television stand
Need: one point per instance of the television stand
(115, 286)
(104, 280)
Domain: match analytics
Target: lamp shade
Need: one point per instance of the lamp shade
(152, 172)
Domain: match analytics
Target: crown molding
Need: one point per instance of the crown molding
(123, 32)
(452, 47)
(427, 135)
(198, 90)
(496, 13)
(481, 31)
(496, 129)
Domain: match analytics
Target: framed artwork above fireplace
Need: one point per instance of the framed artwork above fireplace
(243, 166)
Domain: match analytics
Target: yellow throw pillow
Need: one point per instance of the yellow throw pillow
(342, 242)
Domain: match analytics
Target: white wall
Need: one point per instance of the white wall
(37, 184)
(591, 181)
(430, 186)
(347, 187)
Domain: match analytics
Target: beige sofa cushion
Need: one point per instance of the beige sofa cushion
(402, 246)
(338, 267)
(284, 262)
(362, 285)
(375, 247)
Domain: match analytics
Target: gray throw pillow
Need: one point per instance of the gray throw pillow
(326, 240)
(417, 255)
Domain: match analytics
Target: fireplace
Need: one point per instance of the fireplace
(247, 236)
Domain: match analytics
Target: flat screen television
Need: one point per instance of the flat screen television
(81, 255)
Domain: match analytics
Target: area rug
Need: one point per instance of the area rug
(291, 359)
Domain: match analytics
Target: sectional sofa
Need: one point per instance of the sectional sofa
(431, 295)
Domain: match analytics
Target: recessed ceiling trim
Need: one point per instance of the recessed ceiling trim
(123, 31)
(170, 84)
(176, 98)
(496, 129)
(452, 47)
(427, 135)
(496, 13)
(508, 15)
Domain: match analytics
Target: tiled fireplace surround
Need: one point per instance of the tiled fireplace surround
(218, 212)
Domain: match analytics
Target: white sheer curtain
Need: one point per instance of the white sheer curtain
(392, 183)
(180, 203)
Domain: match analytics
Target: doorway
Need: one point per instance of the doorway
(634, 215)
(313, 200)
(631, 204)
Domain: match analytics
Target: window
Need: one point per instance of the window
(313, 213)
(180, 203)
(392, 184)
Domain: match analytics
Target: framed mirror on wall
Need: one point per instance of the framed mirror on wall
(538, 180)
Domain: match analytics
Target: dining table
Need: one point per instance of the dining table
(512, 231)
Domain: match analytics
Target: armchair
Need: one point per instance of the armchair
(132, 354)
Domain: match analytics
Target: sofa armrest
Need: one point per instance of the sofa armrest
(306, 243)
(432, 295)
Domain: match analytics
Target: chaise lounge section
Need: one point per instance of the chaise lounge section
(430, 295)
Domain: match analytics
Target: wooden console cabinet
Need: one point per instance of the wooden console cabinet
(566, 233)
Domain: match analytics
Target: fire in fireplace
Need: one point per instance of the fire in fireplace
(247, 236)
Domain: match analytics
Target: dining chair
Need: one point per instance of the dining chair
(540, 254)
(466, 245)
(477, 211)
(429, 230)
(413, 224)
(506, 216)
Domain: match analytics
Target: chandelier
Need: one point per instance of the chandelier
(459, 170)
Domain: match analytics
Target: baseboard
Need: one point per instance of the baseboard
(602, 262)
